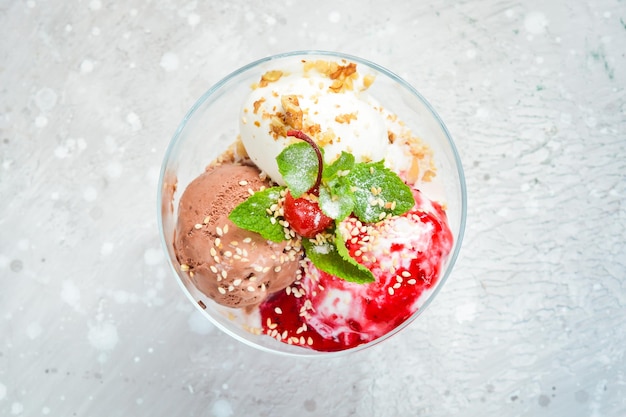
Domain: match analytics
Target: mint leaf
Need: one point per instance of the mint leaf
(298, 165)
(252, 214)
(333, 258)
(345, 162)
(336, 199)
(378, 191)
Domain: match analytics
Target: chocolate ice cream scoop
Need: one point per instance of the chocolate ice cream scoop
(233, 266)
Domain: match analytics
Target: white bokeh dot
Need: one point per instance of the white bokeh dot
(222, 408)
(90, 194)
(134, 121)
(153, 256)
(535, 23)
(86, 66)
(193, 19)
(106, 248)
(17, 408)
(169, 61)
(114, 169)
(334, 16)
(41, 121)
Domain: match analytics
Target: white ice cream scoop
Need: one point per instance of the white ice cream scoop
(348, 120)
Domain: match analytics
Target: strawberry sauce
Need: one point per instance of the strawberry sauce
(326, 313)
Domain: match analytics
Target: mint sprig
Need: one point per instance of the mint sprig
(378, 191)
(370, 191)
(255, 214)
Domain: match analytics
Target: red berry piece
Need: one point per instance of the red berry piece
(305, 216)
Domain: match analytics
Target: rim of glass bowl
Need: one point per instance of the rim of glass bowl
(394, 77)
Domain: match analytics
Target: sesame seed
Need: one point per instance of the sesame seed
(221, 290)
(224, 274)
(390, 290)
(288, 290)
(247, 240)
(399, 278)
(201, 304)
(206, 220)
(228, 254)
(218, 242)
(250, 288)
(382, 215)
(397, 285)
(225, 229)
(237, 282)
(197, 226)
(213, 252)
(406, 274)
(213, 269)
(309, 341)
(219, 231)
(278, 310)
(184, 267)
(250, 191)
(284, 335)
(253, 278)
(243, 182)
(412, 281)
(302, 341)
(234, 243)
(263, 287)
(277, 269)
(231, 288)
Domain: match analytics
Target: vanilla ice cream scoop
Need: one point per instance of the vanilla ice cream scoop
(332, 107)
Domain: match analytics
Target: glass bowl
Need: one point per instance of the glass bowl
(212, 125)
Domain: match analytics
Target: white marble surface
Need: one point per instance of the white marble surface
(531, 322)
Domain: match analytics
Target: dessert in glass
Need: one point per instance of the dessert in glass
(311, 203)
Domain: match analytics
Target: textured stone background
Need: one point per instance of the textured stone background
(532, 320)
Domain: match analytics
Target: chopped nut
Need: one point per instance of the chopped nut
(277, 126)
(368, 80)
(257, 104)
(293, 112)
(270, 77)
(345, 118)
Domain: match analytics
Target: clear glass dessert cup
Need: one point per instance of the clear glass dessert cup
(212, 125)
